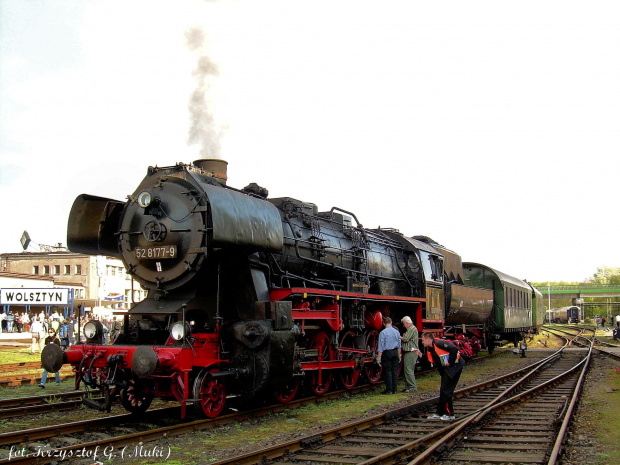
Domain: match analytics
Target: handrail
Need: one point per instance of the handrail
(577, 287)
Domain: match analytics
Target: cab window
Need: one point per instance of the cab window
(433, 266)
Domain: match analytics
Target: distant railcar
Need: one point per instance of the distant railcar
(566, 315)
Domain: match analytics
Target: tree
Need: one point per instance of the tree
(606, 275)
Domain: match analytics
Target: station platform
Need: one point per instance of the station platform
(8, 340)
(4, 336)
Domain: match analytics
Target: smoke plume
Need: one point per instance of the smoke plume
(203, 129)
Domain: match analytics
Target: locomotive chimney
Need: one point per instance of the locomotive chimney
(215, 166)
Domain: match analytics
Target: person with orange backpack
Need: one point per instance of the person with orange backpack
(446, 357)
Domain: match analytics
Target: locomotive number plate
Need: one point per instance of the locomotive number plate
(164, 251)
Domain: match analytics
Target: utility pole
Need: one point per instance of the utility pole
(549, 296)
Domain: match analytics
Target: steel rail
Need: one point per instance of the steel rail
(597, 341)
(43, 399)
(49, 431)
(4, 367)
(28, 378)
(476, 418)
(359, 425)
(44, 432)
(40, 404)
(41, 408)
(568, 415)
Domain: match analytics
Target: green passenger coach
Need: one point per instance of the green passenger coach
(512, 300)
(538, 308)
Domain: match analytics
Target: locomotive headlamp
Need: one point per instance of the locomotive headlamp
(93, 329)
(178, 332)
(145, 199)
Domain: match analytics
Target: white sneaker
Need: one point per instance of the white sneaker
(434, 416)
(447, 418)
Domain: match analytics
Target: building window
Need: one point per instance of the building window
(113, 269)
(46, 269)
(78, 269)
(67, 269)
(56, 269)
(35, 269)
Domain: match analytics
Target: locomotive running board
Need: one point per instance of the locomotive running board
(283, 293)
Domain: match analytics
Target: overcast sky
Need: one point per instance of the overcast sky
(492, 127)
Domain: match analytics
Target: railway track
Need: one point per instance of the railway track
(26, 379)
(20, 406)
(528, 428)
(121, 430)
(11, 379)
(611, 350)
(6, 367)
(69, 400)
(399, 435)
(128, 429)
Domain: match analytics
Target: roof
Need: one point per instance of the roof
(503, 277)
(422, 246)
(8, 274)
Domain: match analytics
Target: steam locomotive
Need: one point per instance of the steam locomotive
(249, 295)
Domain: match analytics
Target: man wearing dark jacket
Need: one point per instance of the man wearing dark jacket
(389, 354)
(445, 356)
(51, 339)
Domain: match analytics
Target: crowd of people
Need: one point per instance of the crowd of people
(24, 322)
(601, 320)
(54, 329)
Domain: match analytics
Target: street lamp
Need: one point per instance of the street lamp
(549, 296)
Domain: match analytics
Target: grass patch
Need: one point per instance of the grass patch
(18, 356)
(30, 390)
(605, 408)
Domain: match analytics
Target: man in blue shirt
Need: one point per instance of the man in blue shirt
(389, 354)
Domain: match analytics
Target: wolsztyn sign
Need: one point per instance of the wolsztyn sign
(46, 296)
